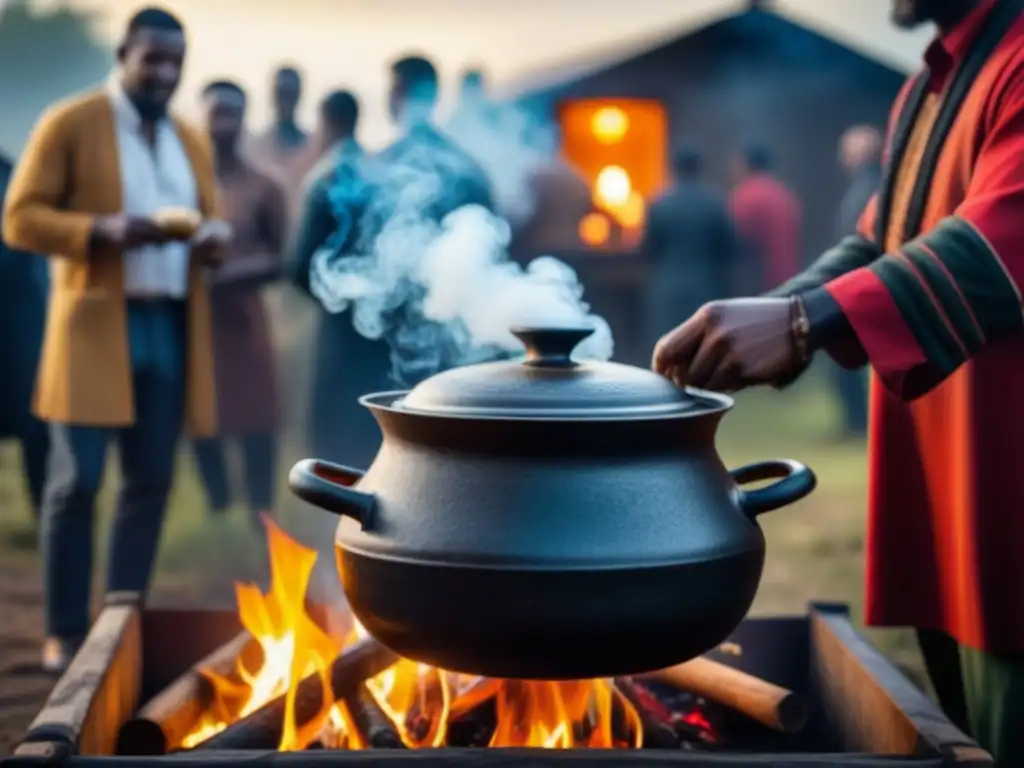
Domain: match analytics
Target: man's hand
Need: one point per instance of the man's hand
(124, 232)
(209, 241)
(729, 345)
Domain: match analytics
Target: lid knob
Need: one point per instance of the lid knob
(550, 347)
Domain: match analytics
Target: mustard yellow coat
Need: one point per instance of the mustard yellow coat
(68, 174)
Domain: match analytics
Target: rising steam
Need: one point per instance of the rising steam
(438, 283)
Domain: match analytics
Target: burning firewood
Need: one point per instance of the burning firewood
(170, 715)
(658, 734)
(263, 729)
(478, 693)
(767, 703)
(375, 727)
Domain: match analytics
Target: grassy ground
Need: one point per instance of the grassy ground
(815, 548)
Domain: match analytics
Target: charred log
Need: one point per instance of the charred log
(171, 715)
(657, 733)
(375, 727)
(264, 727)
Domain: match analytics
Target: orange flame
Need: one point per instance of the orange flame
(292, 643)
(419, 700)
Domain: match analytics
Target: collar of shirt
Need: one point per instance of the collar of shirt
(947, 50)
(124, 110)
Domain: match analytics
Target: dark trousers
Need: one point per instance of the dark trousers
(35, 446)
(852, 389)
(259, 455)
(77, 458)
(981, 693)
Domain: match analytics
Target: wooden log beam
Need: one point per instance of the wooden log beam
(101, 687)
(769, 704)
(170, 716)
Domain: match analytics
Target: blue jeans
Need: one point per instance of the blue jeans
(157, 338)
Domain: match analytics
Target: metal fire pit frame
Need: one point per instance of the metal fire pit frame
(872, 715)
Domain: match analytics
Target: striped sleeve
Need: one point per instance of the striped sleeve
(852, 252)
(923, 311)
(849, 254)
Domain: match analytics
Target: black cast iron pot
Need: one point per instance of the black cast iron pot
(549, 519)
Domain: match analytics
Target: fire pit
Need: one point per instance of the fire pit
(804, 690)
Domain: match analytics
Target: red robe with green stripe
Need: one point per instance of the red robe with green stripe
(939, 319)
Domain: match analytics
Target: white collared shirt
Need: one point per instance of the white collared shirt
(152, 177)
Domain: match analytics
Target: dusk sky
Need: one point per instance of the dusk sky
(349, 42)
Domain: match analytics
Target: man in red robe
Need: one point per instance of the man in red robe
(767, 216)
(928, 293)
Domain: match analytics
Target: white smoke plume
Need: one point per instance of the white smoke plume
(442, 290)
(511, 145)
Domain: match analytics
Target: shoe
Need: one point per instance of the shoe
(58, 653)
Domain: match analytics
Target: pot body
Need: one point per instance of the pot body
(548, 549)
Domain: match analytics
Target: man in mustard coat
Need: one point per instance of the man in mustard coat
(127, 350)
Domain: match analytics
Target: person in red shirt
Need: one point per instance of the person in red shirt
(767, 216)
(929, 293)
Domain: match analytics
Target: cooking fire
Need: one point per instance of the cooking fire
(437, 516)
(801, 689)
(413, 705)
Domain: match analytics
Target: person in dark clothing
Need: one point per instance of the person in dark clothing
(427, 158)
(425, 151)
(346, 364)
(339, 114)
(349, 198)
(23, 290)
(689, 245)
(244, 360)
(860, 153)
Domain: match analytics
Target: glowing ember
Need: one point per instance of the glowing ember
(421, 702)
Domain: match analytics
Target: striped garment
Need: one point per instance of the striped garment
(931, 287)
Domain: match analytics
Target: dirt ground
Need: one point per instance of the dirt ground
(23, 686)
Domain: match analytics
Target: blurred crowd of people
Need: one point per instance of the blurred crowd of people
(134, 332)
(137, 330)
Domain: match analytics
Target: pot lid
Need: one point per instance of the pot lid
(548, 383)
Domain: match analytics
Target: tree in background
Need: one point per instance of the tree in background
(44, 55)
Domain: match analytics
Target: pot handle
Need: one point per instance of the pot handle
(329, 486)
(793, 482)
